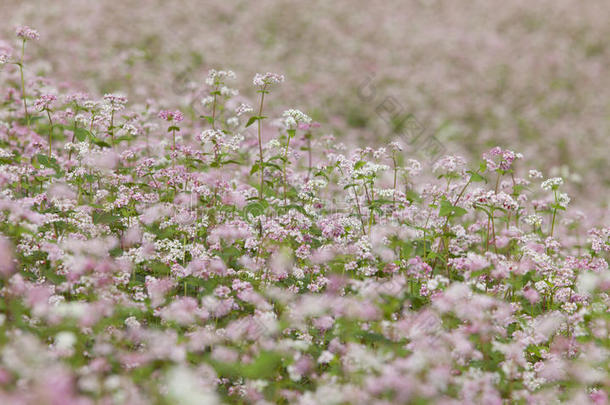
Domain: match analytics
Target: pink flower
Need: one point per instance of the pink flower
(26, 33)
(45, 102)
(7, 265)
(169, 116)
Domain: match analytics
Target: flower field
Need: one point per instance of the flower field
(221, 244)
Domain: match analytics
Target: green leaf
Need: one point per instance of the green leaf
(210, 119)
(448, 210)
(359, 164)
(81, 134)
(48, 162)
(100, 143)
(252, 120)
(265, 366)
(476, 177)
(104, 218)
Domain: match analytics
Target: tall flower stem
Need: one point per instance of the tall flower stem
(111, 128)
(554, 214)
(20, 64)
(395, 178)
(260, 142)
(290, 134)
(50, 130)
(308, 136)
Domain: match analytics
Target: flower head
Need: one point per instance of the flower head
(5, 56)
(243, 109)
(293, 118)
(45, 102)
(262, 80)
(169, 116)
(499, 159)
(218, 77)
(26, 33)
(552, 183)
(116, 101)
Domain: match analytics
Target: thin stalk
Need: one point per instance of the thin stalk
(72, 142)
(395, 173)
(260, 143)
(214, 109)
(25, 105)
(309, 155)
(50, 131)
(554, 214)
(284, 170)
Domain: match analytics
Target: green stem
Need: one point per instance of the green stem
(50, 131)
(260, 143)
(284, 170)
(25, 105)
(214, 109)
(112, 127)
(554, 214)
(395, 173)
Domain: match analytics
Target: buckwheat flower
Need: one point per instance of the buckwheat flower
(310, 125)
(115, 101)
(45, 102)
(233, 122)
(533, 220)
(325, 357)
(292, 118)
(449, 164)
(242, 109)
(64, 341)
(25, 33)
(563, 200)
(4, 57)
(207, 101)
(498, 159)
(412, 167)
(535, 174)
(262, 80)
(396, 147)
(217, 77)
(169, 116)
(7, 264)
(186, 387)
(228, 92)
(210, 135)
(552, 183)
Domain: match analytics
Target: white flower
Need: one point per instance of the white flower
(292, 118)
(325, 357)
(217, 77)
(563, 200)
(533, 220)
(243, 109)
(552, 183)
(65, 340)
(184, 387)
(233, 121)
(262, 80)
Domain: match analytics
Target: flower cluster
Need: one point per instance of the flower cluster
(26, 33)
(45, 102)
(294, 118)
(262, 80)
(167, 115)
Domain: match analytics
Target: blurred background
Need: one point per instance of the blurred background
(529, 76)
